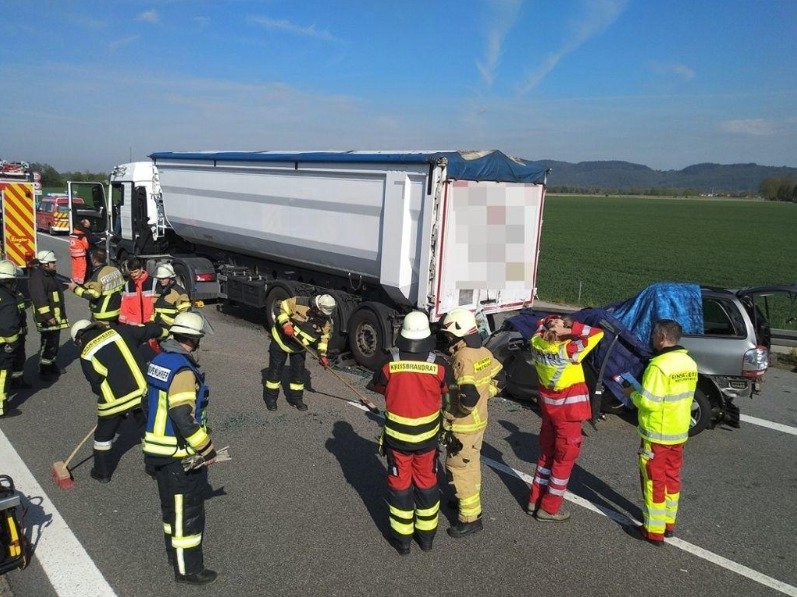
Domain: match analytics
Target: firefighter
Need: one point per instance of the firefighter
(80, 241)
(664, 407)
(172, 298)
(18, 375)
(177, 430)
(413, 380)
(465, 415)
(12, 322)
(108, 359)
(103, 289)
(302, 322)
(138, 295)
(47, 296)
(558, 347)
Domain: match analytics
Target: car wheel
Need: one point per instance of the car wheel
(702, 412)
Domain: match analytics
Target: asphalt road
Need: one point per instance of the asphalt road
(300, 509)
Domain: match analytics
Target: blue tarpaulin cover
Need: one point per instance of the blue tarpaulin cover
(631, 320)
(664, 300)
(462, 165)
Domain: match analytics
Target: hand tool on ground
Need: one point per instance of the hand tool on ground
(60, 471)
(195, 461)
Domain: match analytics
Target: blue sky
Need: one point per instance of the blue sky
(666, 84)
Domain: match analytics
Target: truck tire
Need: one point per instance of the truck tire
(277, 292)
(702, 412)
(369, 334)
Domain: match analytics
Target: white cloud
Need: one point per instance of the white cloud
(506, 12)
(149, 16)
(292, 28)
(201, 22)
(120, 43)
(758, 127)
(674, 68)
(598, 16)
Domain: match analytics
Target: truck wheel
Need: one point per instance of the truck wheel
(702, 412)
(367, 337)
(277, 292)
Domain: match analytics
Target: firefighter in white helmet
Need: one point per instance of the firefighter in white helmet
(172, 298)
(12, 322)
(302, 322)
(49, 311)
(465, 415)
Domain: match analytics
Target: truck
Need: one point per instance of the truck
(384, 232)
(19, 188)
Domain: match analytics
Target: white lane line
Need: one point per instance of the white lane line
(705, 554)
(71, 571)
(769, 424)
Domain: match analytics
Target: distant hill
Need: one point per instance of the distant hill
(626, 176)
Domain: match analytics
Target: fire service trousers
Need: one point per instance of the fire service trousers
(276, 363)
(560, 445)
(413, 496)
(104, 437)
(465, 474)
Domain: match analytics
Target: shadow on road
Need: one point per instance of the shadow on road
(35, 521)
(362, 468)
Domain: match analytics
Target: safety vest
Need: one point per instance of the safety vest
(562, 390)
(161, 438)
(308, 329)
(123, 384)
(104, 291)
(78, 244)
(665, 402)
(138, 300)
(413, 398)
(477, 367)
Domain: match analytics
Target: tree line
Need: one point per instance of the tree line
(647, 192)
(779, 189)
(50, 177)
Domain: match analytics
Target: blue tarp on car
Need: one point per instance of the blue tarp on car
(490, 165)
(630, 322)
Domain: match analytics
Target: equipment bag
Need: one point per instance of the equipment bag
(13, 552)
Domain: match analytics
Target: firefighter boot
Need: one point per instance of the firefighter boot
(462, 529)
(298, 403)
(100, 470)
(20, 383)
(200, 578)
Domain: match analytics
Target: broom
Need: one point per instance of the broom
(59, 471)
(363, 400)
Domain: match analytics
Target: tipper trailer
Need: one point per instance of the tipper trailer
(383, 232)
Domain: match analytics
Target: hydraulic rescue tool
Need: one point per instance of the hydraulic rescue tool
(13, 544)
(60, 471)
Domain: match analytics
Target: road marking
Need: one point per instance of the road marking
(70, 569)
(705, 554)
(769, 424)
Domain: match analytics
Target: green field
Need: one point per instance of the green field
(615, 246)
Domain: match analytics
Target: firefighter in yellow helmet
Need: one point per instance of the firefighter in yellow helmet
(664, 405)
(465, 415)
(301, 322)
(12, 322)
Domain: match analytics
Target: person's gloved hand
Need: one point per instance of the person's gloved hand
(288, 330)
(324, 362)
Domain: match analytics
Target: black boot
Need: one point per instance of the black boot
(271, 403)
(20, 383)
(425, 543)
(299, 404)
(200, 578)
(402, 547)
(463, 529)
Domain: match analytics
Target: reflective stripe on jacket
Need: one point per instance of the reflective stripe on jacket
(476, 367)
(309, 328)
(162, 437)
(104, 293)
(665, 402)
(413, 385)
(563, 391)
(171, 300)
(46, 293)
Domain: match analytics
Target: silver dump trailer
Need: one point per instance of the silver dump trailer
(385, 232)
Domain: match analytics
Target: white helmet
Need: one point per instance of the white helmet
(188, 324)
(78, 327)
(46, 257)
(165, 270)
(324, 303)
(460, 322)
(7, 270)
(415, 326)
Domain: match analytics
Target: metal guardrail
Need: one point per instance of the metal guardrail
(784, 337)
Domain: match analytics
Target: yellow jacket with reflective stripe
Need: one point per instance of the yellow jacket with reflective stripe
(665, 402)
(309, 329)
(477, 367)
